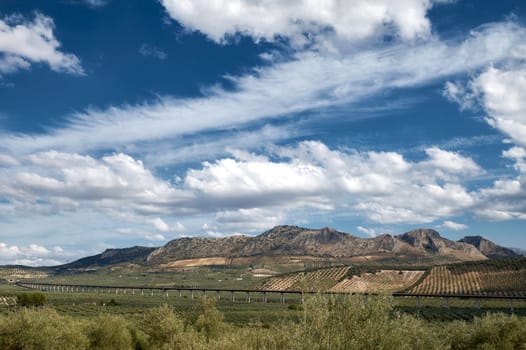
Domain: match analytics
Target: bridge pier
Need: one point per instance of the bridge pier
(446, 302)
(248, 297)
(218, 295)
(232, 298)
(282, 298)
(418, 302)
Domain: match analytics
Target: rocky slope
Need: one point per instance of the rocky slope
(326, 242)
(488, 248)
(294, 241)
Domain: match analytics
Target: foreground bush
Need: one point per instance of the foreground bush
(493, 331)
(165, 329)
(351, 322)
(41, 329)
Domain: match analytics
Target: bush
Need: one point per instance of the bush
(493, 331)
(166, 330)
(41, 329)
(359, 322)
(31, 299)
(210, 321)
(111, 333)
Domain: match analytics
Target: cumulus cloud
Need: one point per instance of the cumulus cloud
(501, 94)
(377, 184)
(249, 190)
(269, 19)
(31, 255)
(24, 42)
(451, 163)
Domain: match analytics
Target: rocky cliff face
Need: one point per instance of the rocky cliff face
(488, 248)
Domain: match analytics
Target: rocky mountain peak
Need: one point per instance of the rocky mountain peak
(488, 248)
(422, 238)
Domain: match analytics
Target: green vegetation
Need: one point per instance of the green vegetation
(31, 299)
(324, 322)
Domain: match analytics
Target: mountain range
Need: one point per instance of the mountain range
(293, 241)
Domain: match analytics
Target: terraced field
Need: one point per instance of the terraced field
(381, 281)
(500, 278)
(345, 279)
(309, 281)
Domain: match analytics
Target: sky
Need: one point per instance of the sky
(135, 122)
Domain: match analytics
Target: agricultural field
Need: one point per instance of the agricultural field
(505, 277)
(346, 279)
(381, 281)
(322, 279)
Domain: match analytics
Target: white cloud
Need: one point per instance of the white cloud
(247, 190)
(268, 19)
(451, 162)
(24, 42)
(155, 237)
(160, 225)
(368, 231)
(307, 82)
(454, 226)
(376, 184)
(501, 93)
(249, 220)
(32, 255)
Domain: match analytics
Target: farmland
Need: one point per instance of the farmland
(494, 277)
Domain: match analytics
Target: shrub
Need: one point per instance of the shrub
(110, 333)
(210, 321)
(41, 329)
(491, 331)
(166, 330)
(31, 299)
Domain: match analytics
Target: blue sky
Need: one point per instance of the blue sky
(136, 122)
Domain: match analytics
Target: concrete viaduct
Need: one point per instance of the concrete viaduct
(247, 295)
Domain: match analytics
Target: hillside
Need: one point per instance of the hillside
(488, 248)
(345, 279)
(110, 257)
(325, 243)
(503, 277)
(293, 243)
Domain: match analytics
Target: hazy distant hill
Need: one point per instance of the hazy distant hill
(488, 248)
(111, 257)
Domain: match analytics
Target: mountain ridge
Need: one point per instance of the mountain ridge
(286, 240)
